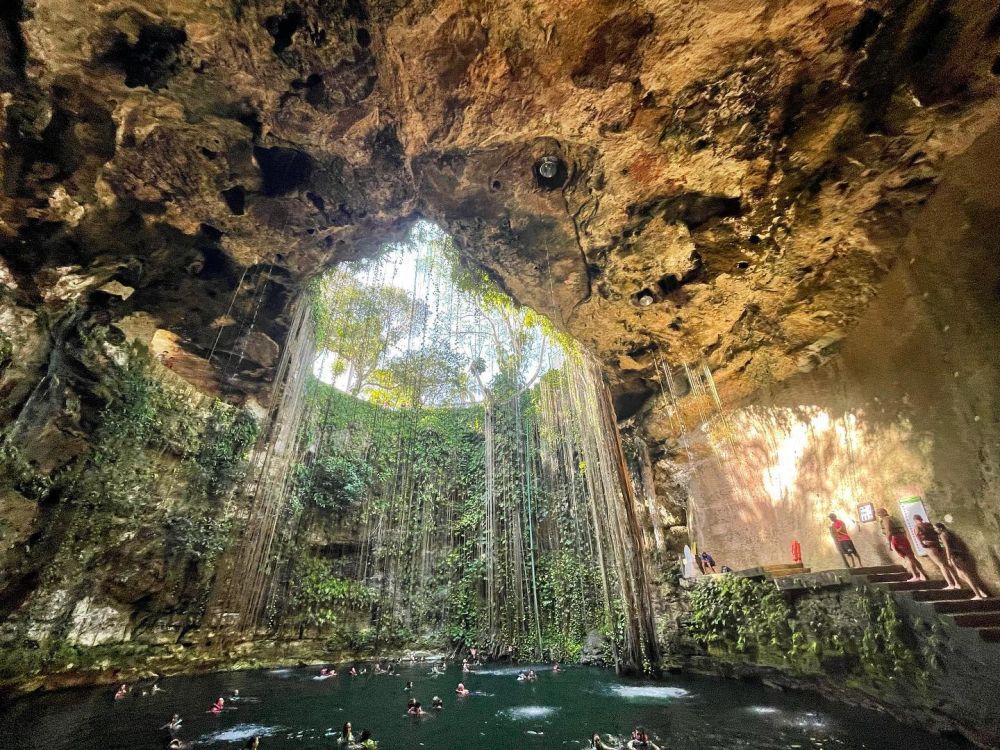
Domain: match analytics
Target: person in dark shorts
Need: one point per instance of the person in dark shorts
(838, 529)
(900, 544)
(707, 562)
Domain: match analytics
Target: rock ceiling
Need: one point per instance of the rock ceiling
(702, 180)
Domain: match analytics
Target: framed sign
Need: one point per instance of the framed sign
(910, 507)
(866, 512)
(690, 567)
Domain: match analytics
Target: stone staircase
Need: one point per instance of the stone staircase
(957, 604)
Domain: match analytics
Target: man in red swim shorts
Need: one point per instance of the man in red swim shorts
(900, 544)
(838, 530)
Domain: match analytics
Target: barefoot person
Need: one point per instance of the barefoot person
(960, 559)
(928, 537)
(899, 544)
(838, 530)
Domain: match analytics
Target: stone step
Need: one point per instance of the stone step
(941, 595)
(869, 570)
(962, 606)
(888, 577)
(913, 585)
(978, 620)
(992, 635)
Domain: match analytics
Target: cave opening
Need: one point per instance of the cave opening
(470, 452)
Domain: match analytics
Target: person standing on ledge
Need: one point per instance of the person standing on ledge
(899, 544)
(928, 537)
(838, 529)
(960, 559)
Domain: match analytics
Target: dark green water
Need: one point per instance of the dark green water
(291, 709)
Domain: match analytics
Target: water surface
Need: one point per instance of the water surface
(293, 709)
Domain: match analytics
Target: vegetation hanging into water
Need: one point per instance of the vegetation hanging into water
(463, 456)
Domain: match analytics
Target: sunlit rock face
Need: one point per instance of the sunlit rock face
(906, 406)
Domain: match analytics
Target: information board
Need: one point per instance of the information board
(910, 507)
(690, 567)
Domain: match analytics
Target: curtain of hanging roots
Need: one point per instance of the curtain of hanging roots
(543, 480)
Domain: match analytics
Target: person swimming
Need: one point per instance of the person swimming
(122, 692)
(414, 709)
(465, 666)
(461, 689)
(218, 706)
(353, 672)
(174, 724)
(409, 686)
(176, 744)
(556, 667)
(640, 741)
(346, 735)
(522, 677)
(436, 703)
(253, 743)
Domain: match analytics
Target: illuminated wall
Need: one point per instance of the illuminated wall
(767, 475)
(909, 405)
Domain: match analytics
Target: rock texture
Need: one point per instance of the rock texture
(750, 172)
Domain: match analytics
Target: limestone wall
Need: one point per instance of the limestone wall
(908, 406)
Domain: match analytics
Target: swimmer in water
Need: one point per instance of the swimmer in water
(437, 704)
(218, 706)
(640, 741)
(409, 686)
(521, 677)
(465, 666)
(156, 689)
(555, 667)
(173, 725)
(353, 672)
(122, 692)
(415, 709)
(176, 744)
(461, 689)
(253, 743)
(346, 736)
(597, 743)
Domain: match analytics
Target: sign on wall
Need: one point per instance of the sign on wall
(690, 567)
(910, 507)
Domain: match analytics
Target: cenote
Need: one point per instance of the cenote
(657, 340)
(295, 709)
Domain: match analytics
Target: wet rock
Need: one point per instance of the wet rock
(93, 623)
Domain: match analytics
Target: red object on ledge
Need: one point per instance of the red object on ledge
(796, 551)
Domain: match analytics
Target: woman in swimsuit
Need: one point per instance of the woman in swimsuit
(928, 537)
(461, 689)
(960, 559)
(900, 544)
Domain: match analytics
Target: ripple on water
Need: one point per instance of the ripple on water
(632, 692)
(240, 733)
(527, 713)
(503, 671)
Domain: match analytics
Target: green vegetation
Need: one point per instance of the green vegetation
(855, 631)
